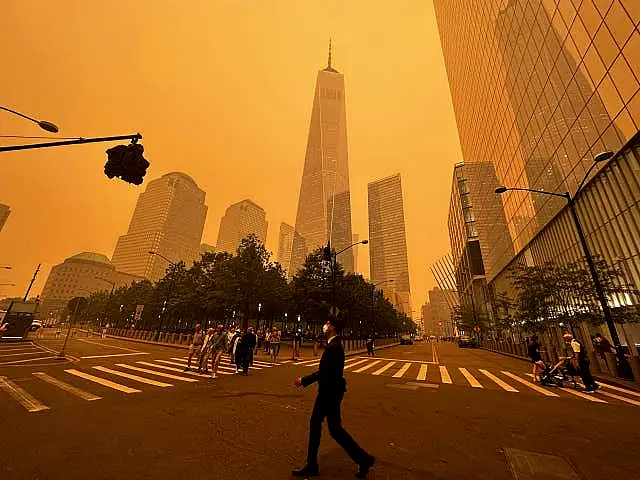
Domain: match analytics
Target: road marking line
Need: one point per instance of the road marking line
(380, 371)
(285, 362)
(20, 348)
(23, 353)
(503, 384)
(107, 345)
(530, 385)
(182, 365)
(583, 395)
(620, 397)
(102, 381)
(315, 364)
(219, 366)
(116, 355)
(618, 389)
(65, 386)
(172, 369)
(470, 378)
(400, 360)
(152, 372)
(444, 375)
(366, 367)
(133, 377)
(355, 363)
(22, 396)
(28, 360)
(402, 371)
(422, 374)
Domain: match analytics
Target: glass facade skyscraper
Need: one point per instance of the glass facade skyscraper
(324, 205)
(547, 86)
(241, 220)
(389, 263)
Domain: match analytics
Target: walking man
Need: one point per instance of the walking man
(370, 346)
(196, 346)
(251, 341)
(331, 389)
(580, 354)
(219, 344)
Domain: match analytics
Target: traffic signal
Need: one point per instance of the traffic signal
(326, 253)
(127, 163)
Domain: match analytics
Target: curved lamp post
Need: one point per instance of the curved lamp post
(602, 298)
(43, 124)
(334, 267)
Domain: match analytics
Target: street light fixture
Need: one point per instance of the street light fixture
(43, 124)
(602, 298)
(334, 267)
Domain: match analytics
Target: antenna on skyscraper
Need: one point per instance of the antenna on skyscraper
(329, 61)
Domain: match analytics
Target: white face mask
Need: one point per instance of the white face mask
(325, 328)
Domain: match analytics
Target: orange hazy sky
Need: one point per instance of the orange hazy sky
(221, 90)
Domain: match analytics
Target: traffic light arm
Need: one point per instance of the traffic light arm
(134, 138)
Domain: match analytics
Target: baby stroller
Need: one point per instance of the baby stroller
(562, 372)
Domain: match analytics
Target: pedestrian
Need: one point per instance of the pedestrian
(241, 354)
(233, 338)
(219, 344)
(603, 346)
(370, 346)
(580, 355)
(297, 344)
(267, 341)
(205, 352)
(275, 344)
(536, 358)
(331, 389)
(196, 346)
(251, 341)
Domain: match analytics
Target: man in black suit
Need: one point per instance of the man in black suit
(331, 389)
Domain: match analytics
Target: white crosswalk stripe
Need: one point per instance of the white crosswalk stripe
(422, 374)
(66, 387)
(22, 396)
(152, 372)
(498, 381)
(444, 375)
(470, 378)
(621, 398)
(355, 363)
(184, 363)
(222, 364)
(530, 385)
(133, 377)
(400, 373)
(102, 381)
(367, 367)
(618, 389)
(380, 371)
(580, 394)
(172, 369)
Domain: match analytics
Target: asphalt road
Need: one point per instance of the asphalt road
(424, 411)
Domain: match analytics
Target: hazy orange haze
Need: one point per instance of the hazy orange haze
(221, 90)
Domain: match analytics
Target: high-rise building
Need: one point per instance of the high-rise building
(437, 313)
(355, 238)
(388, 241)
(285, 244)
(324, 205)
(476, 222)
(205, 248)
(169, 219)
(547, 86)
(79, 276)
(241, 220)
(5, 210)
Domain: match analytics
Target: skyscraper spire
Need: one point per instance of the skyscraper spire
(329, 61)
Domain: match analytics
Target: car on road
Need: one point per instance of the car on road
(406, 340)
(35, 325)
(466, 341)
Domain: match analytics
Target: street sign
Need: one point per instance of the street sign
(139, 309)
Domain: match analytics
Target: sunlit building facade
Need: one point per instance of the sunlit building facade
(546, 87)
(169, 219)
(241, 219)
(388, 259)
(324, 205)
(285, 245)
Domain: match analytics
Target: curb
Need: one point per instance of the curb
(613, 381)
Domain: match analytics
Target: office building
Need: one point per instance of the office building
(241, 220)
(79, 276)
(324, 205)
(355, 238)
(545, 88)
(437, 313)
(285, 245)
(5, 210)
(169, 219)
(388, 258)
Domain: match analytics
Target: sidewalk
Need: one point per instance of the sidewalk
(598, 376)
(285, 348)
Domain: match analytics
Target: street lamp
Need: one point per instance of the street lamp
(334, 267)
(602, 298)
(373, 301)
(43, 124)
(166, 299)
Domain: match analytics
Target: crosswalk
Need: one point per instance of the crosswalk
(89, 382)
(481, 379)
(26, 354)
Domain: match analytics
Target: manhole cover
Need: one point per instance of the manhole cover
(401, 386)
(538, 466)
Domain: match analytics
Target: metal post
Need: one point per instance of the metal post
(35, 274)
(10, 148)
(333, 283)
(373, 309)
(608, 317)
(75, 314)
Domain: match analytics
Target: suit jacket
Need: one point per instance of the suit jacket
(330, 371)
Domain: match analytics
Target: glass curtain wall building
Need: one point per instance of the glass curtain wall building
(548, 85)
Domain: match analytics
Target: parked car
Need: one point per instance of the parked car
(466, 341)
(406, 340)
(35, 325)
